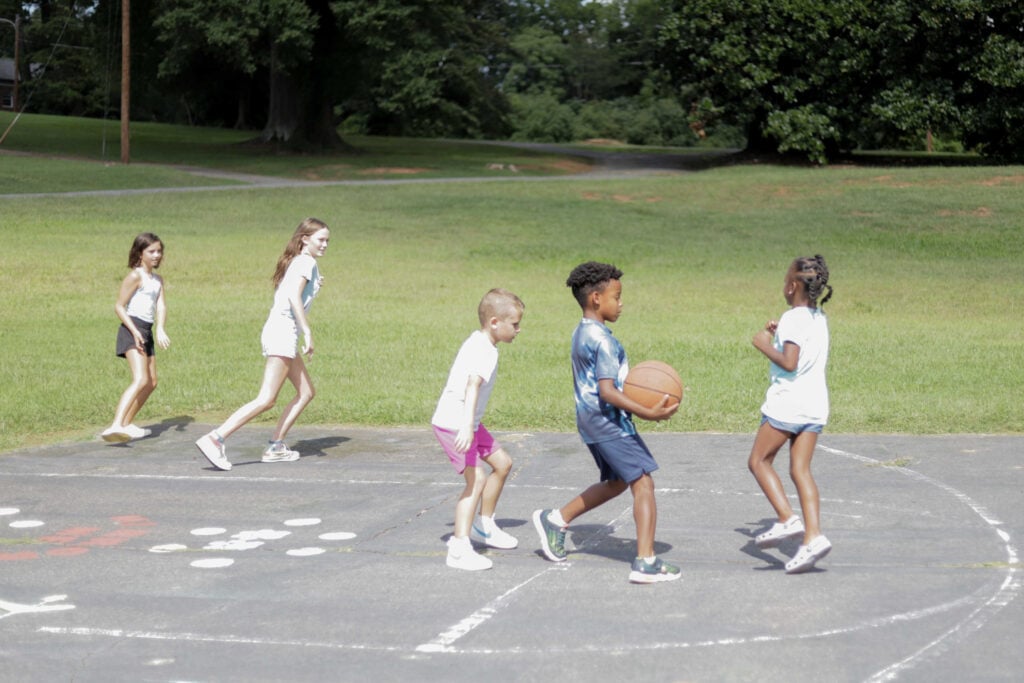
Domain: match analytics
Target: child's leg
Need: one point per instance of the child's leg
(762, 458)
(465, 508)
(800, 453)
(595, 496)
(304, 393)
(501, 465)
(274, 374)
(147, 391)
(645, 514)
(138, 362)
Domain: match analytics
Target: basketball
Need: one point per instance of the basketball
(649, 381)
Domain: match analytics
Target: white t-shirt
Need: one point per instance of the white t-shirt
(477, 357)
(801, 396)
(302, 268)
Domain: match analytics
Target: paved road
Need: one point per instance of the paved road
(140, 563)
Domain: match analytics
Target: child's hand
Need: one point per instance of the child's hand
(463, 440)
(162, 340)
(765, 338)
(663, 410)
(307, 346)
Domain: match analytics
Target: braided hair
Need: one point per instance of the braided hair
(813, 273)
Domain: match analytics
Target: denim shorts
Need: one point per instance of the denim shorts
(791, 427)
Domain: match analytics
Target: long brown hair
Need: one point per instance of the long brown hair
(294, 248)
(142, 242)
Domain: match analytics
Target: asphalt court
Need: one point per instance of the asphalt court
(139, 562)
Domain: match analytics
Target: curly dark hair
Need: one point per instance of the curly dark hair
(590, 277)
(813, 273)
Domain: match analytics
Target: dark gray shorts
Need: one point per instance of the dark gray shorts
(126, 342)
(626, 459)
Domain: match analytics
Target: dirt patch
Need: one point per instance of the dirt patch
(621, 198)
(328, 172)
(570, 166)
(604, 142)
(980, 212)
(1003, 180)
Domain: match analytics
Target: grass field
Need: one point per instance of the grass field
(926, 320)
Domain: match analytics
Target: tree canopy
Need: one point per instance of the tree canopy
(802, 77)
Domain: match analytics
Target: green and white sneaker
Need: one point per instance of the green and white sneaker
(654, 572)
(552, 536)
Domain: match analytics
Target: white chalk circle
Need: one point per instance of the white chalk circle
(305, 552)
(233, 545)
(9, 511)
(337, 536)
(310, 521)
(213, 563)
(208, 531)
(261, 535)
(26, 524)
(168, 548)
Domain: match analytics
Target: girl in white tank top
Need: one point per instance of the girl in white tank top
(142, 310)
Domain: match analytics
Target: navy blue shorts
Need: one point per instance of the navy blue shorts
(626, 459)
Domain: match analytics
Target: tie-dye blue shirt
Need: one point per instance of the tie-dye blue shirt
(597, 355)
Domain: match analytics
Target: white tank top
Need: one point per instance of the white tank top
(142, 305)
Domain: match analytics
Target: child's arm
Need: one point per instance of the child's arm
(787, 359)
(464, 438)
(129, 286)
(161, 317)
(295, 299)
(611, 394)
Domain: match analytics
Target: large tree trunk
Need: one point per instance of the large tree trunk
(282, 110)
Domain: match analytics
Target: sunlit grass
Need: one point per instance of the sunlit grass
(926, 321)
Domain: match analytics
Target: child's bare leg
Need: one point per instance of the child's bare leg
(501, 465)
(595, 496)
(761, 464)
(139, 365)
(465, 508)
(304, 393)
(274, 374)
(645, 514)
(800, 453)
(144, 394)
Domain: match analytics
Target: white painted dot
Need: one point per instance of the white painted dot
(337, 536)
(9, 511)
(261, 535)
(213, 563)
(309, 521)
(26, 524)
(305, 552)
(168, 548)
(233, 545)
(208, 531)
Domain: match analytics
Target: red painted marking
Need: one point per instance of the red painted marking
(14, 557)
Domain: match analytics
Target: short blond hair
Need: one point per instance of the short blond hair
(498, 303)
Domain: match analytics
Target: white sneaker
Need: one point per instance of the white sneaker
(807, 555)
(486, 532)
(278, 452)
(779, 532)
(462, 556)
(137, 432)
(213, 449)
(116, 435)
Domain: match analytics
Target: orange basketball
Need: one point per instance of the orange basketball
(649, 381)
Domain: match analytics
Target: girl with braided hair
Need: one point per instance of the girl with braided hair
(795, 409)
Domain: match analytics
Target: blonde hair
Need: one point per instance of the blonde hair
(306, 228)
(497, 303)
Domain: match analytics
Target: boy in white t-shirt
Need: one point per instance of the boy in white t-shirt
(467, 442)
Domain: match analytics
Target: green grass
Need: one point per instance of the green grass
(367, 158)
(926, 321)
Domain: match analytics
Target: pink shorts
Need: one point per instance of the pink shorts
(483, 445)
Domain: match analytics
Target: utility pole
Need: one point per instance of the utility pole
(126, 80)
